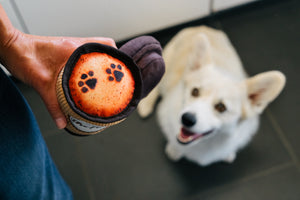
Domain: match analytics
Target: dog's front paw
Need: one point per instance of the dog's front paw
(144, 110)
(173, 153)
(230, 158)
(146, 105)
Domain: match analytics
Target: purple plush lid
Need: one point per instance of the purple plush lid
(146, 52)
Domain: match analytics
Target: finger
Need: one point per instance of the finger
(54, 109)
(102, 40)
(109, 41)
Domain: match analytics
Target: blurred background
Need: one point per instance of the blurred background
(127, 161)
(108, 18)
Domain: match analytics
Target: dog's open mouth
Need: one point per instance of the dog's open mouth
(185, 136)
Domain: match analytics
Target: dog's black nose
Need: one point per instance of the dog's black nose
(188, 119)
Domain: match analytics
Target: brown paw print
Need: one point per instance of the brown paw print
(87, 82)
(115, 73)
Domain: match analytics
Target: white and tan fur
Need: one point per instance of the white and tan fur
(205, 80)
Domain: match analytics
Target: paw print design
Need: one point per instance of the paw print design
(87, 82)
(115, 73)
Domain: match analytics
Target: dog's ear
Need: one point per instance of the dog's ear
(200, 54)
(263, 89)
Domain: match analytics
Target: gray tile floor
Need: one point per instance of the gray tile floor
(127, 161)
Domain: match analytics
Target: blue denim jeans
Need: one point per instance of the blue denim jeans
(27, 170)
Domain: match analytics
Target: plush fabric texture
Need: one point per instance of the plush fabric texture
(146, 52)
(142, 56)
(115, 53)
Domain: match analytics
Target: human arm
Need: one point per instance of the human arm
(37, 60)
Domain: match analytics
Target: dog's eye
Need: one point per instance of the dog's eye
(195, 92)
(220, 107)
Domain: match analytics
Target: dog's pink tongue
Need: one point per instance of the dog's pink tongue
(185, 136)
(185, 133)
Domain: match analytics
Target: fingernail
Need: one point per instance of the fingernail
(60, 123)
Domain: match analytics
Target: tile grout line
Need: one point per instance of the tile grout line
(254, 176)
(82, 166)
(266, 172)
(283, 139)
(85, 174)
(276, 126)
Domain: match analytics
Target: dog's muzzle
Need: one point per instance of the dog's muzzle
(188, 119)
(186, 136)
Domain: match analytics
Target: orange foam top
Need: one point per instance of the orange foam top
(101, 85)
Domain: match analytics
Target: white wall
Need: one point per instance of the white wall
(119, 19)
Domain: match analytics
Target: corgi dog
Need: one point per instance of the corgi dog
(210, 108)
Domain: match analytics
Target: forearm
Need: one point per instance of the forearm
(6, 30)
(8, 36)
(12, 46)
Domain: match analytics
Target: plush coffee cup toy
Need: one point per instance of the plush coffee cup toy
(101, 86)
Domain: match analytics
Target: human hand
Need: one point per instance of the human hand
(37, 61)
